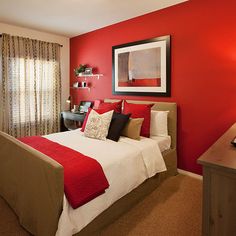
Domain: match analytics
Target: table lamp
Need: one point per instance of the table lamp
(69, 101)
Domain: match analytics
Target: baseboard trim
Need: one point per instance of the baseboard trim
(193, 175)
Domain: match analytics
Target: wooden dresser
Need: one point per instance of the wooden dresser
(219, 187)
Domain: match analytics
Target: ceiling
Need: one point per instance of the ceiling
(74, 17)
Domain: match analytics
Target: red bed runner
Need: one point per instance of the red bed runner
(84, 178)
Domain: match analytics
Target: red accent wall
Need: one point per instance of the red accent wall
(203, 68)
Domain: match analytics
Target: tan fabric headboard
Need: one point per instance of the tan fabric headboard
(161, 106)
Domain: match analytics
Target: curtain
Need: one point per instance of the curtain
(30, 83)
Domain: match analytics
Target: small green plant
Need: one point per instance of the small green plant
(79, 69)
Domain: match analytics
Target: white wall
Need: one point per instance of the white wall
(65, 51)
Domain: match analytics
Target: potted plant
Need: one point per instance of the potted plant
(79, 70)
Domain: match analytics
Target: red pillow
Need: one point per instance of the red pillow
(85, 120)
(140, 111)
(99, 111)
(108, 106)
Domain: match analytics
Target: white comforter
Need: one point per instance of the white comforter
(126, 164)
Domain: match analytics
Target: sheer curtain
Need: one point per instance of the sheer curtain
(30, 96)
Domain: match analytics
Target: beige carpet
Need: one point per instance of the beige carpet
(174, 209)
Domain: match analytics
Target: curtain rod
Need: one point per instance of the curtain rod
(59, 44)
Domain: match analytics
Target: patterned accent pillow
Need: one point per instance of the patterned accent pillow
(97, 125)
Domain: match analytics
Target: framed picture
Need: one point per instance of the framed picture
(88, 71)
(84, 106)
(142, 67)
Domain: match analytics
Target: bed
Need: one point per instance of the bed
(32, 183)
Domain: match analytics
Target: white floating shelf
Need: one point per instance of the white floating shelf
(92, 75)
(81, 88)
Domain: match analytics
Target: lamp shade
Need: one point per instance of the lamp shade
(69, 99)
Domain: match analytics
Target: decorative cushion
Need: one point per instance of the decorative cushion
(97, 125)
(116, 106)
(99, 111)
(118, 123)
(159, 123)
(140, 111)
(133, 128)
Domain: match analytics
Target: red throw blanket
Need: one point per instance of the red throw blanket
(84, 178)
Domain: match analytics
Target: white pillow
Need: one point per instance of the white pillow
(97, 125)
(159, 123)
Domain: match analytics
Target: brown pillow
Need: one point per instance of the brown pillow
(133, 128)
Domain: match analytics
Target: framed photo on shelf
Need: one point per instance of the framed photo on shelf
(142, 67)
(88, 71)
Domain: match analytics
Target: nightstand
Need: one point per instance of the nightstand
(71, 121)
(219, 186)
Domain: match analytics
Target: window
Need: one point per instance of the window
(30, 86)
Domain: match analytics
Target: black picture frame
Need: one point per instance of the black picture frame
(158, 86)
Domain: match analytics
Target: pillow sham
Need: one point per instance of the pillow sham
(140, 111)
(159, 123)
(133, 128)
(97, 125)
(118, 123)
(99, 111)
(116, 106)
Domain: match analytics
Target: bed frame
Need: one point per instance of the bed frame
(33, 185)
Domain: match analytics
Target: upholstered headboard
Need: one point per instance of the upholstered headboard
(161, 106)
